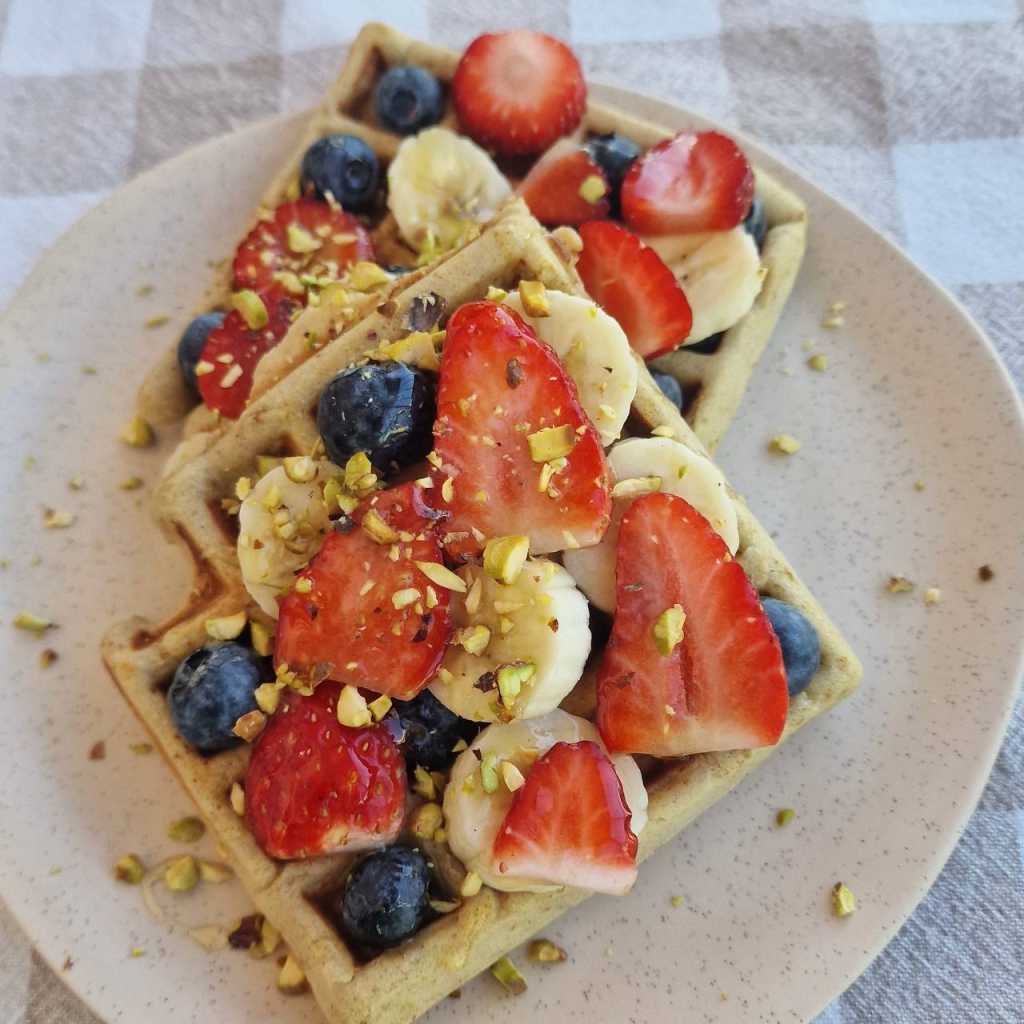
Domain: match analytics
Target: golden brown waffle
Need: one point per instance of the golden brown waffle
(401, 983)
(713, 383)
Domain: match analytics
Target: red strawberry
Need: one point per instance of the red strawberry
(499, 387)
(234, 345)
(314, 786)
(556, 188)
(632, 283)
(723, 687)
(694, 182)
(346, 629)
(517, 92)
(339, 237)
(569, 823)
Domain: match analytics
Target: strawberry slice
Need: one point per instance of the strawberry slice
(633, 284)
(504, 404)
(369, 618)
(694, 182)
(723, 685)
(314, 786)
(517, 92)
(566, 186)
(307, 236)
(234, 346)
(569, 823)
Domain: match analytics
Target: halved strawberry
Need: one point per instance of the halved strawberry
(304, 236)
(234, 347)
(517, 92)
(503, 401)
(566, 186)
(633, 284)
(371, 617)
(693, 182)
(314, 786)
(723, 686)
(569, 823)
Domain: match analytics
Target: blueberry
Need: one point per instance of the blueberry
(614, 154)
(431, 731)
(343, 165)
(192, 343)
(385, 899)
(212, 688)
(407, 99)
(709, 346)
(383, 409)
(756, 222)
(801, 649)
(670, 388)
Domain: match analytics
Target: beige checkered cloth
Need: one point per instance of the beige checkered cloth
(912, 110)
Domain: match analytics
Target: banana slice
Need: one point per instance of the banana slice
(639, 465)
(281, 523)
(439, 183)
(596, 353)
(534, 632)
(720, 271)
(473, 816)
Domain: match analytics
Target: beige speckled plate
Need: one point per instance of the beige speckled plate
(882, 785)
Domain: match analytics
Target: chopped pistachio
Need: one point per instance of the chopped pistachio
(489, 772)
(918, 485)
(203, 367)
(442, 576)
(291, 980)
(508, 976)
(593, 189)
(373, 523)
(226, 627)
(365, 276)
(677, 901)
(932, 595)
(551, 443)
(269, 940)
(250, 308)
(32, 623)
(76, 483)
(265, 463)
(157, 321)
(403, 598)
(785, 443)
(237, 798)
(785, 816)
(443, 906)
(300, 469)
(474, 639)
(303, 585)
(187, 830)
(668, 629)
(268, 696)
(496, 294)
(380, 707)
(262, 639)
(818, 362)
(137, 433)
(143, 290)
(215, 874)
(511, 776)
(512, 678)
(300, 240)
(212, 937)
(543, 951)
(182, 873)
(89, 371)
(504, 557)
(844, 902)
(534, 298)
(899, 585)
(663, 430)
(136, 952)
(635, 487)
(423, 783)
(129, 869)
(833, 321)
(353, 710)
(250, 725)
(54, 520)
(47, 657)
(447, 489)
(232, 377)
(426, 820)
(141, 748)
(290, 281)
(131, 483)
(471, 885)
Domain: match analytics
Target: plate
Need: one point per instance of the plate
(882, 786)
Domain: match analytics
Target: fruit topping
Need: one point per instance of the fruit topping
(721, 685)
(408, 98)
(693, 182)
(385, 900)
(670, 388)
(517, 92)
(614, 154)
(342, 167)
(363, 611)
(431, 732)
(192, 343)
(514, 452)
(307, 237)
(384, 409)
(632, 283)
(566, 186)
(212, 688)
(756, 223)
(801, 648)
(315, 786)
(570, 823)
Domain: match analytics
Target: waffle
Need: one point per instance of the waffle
(401, 983)
(713, 383)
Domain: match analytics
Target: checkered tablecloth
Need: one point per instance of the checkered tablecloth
(911, 110)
